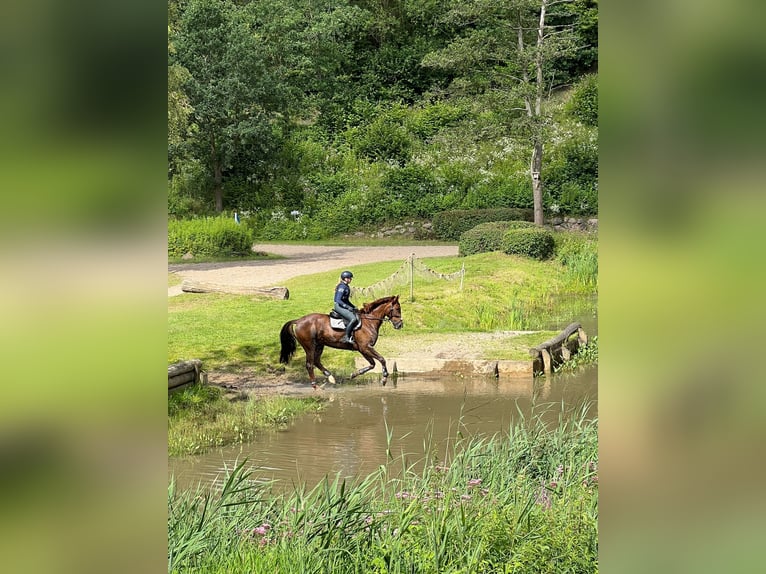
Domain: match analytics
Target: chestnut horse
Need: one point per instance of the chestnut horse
(314, 333)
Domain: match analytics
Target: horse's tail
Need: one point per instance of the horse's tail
(288, 343)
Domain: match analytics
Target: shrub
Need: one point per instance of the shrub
(404, 189)
(427, 122)
(584, 101)
(533, 242)
(383, 140)
(449, 225)
(488, 236)
(209, 236)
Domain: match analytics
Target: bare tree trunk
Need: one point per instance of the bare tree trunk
(537, 150)
(537, 182)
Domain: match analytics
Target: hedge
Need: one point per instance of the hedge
(488, 236)
(209, 236)
(533, 242)
(449, 225)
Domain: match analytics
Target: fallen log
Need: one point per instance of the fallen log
(175, 369)
(181, 379)
(185, 373)
(189, 286)
(548, 355)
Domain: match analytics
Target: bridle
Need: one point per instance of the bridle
(384, 318)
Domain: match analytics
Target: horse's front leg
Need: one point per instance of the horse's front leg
(372, 355)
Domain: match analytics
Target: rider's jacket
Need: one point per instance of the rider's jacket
(342, 293)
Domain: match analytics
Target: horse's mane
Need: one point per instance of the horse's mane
(368, 307)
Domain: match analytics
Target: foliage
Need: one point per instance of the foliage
(535, 243)
(209, 236)
(578, 253)
(289, 106)
(583, 103)
(524, 500)
(451, 224)
(488, 236)
(384, 139)
(586, 355)
(571, 175)
(200, 418)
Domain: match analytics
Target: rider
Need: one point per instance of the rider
(346, 308)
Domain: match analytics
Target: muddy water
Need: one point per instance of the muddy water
(349, 437)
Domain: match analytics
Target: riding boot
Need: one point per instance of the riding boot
(349, 337)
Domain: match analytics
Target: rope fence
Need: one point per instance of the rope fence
(405, 275)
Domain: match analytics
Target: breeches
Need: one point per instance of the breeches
(347, 314)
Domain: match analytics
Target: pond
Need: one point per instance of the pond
(360, 424)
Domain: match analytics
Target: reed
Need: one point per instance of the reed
(521, 501)
(200, 418)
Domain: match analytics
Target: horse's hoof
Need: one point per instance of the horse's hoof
(331, 379)
(383, 382)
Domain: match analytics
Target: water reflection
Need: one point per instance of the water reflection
(351, 435)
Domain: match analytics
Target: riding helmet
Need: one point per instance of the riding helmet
(347, 275)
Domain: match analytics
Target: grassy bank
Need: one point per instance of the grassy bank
(500, 292)
(200, 418)
(525, 501)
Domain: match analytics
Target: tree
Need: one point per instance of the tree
(237, 98)
(508, 47)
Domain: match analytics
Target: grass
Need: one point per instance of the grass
(500, 292)
(200, 418)
(522, 501)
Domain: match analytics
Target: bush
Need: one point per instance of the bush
(209, 237)
(383, 140)
(428, 121)
(584, 101)
(488, 236)
(449, 225)
(534, 242)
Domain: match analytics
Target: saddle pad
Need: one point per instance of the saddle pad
(340, 325)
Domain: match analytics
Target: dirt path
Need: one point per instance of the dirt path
(300, 260)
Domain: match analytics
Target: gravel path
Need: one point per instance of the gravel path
(300, 260)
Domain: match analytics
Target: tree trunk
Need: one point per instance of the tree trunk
(218, 186)
(537, 151)
(537, 182)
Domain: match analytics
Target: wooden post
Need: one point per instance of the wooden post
(412, 277)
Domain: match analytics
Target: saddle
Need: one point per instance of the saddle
(339, 323)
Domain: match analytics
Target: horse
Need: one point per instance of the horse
(314, 333)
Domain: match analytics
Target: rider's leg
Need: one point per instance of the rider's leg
(349, 336)
(350, 318)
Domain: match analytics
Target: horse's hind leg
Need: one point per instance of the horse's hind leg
(320, 366)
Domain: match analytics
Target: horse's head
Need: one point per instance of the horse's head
(395, 313)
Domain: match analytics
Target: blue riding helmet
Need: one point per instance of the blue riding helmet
(347, 275)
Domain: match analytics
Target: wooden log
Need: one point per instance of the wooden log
(558, 349)
(546, 361)
(560, 338)
(182, 379)
(193, 365)
(189, 286)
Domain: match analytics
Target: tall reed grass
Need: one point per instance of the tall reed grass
(523, 501)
